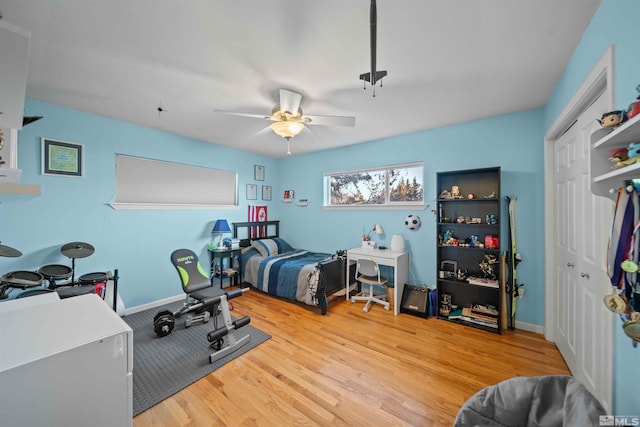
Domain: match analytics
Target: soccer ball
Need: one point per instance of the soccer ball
(412, 222)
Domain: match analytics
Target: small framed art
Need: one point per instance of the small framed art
(258, 172)
(266, 192)
(252, 192)
(62, 158)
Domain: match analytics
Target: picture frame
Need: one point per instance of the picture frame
(258, 172)
(266, 192)
(62, 158)
(252, 192)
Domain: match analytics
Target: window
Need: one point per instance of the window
(388, 186)
(154, 184)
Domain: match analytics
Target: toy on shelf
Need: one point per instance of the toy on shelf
(447, 239)
(622, 157)
(488, 266)
(453, 194)
(619, 155)
(634, 107)
(613, 118)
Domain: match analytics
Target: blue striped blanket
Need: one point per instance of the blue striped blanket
(284, 275)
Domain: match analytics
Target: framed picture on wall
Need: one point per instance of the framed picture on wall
(62, 158)
(258, 172)
(252, 192)
(266, 192)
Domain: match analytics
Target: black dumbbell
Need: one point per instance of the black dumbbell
(163, 323)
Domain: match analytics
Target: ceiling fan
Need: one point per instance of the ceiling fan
(288, 119)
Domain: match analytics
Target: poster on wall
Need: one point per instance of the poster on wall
(258, 214)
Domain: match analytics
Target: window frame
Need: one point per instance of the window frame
(388, 205)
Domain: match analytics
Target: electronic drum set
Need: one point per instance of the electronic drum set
(60, 278)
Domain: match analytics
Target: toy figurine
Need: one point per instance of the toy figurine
(445, 305)
(613, 118)
(487, 266)
(634, 108)
(448, 239)
(618, 156)
(633, 155)
(455, 192)
(445, 194)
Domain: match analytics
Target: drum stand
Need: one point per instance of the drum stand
(75, 250)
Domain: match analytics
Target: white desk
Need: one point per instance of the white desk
(398, 260)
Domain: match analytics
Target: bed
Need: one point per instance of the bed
(269, 264)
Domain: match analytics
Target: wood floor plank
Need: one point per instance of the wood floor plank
(352, 368)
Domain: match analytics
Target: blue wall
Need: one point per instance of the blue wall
(138, 243)
(615, 23)
(513, 142)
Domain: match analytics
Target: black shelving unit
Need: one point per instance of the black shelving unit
(468, 233)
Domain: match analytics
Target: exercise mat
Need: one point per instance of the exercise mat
(164, 366)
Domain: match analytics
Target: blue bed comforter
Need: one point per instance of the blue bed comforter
(283, 275)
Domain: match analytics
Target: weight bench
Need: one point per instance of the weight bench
(202, 297)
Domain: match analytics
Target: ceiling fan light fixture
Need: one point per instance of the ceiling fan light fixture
(287, 130)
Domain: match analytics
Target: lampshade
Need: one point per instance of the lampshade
(221, 226)
(378, 229)
(287, 130)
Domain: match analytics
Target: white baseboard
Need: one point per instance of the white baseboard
(153, 304)
(530, 327)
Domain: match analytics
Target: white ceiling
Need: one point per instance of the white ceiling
(449, 61)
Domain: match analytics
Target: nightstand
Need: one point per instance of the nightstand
(225, 264)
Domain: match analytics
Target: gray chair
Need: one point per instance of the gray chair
(552, 400)
(368, 273)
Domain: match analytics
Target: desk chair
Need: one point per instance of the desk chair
(368, 272)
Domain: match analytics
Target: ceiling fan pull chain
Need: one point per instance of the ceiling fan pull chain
(288, 146)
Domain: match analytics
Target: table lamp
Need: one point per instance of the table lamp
(221, 226)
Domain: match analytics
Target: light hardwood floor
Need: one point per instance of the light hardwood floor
(352, 368)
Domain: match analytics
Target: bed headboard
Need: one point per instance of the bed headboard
(248, 231)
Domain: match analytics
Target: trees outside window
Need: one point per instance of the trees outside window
(402, 184)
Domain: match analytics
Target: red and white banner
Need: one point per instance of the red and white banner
(257, 214)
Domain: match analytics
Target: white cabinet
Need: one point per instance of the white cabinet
(605, 177)
(65, 363)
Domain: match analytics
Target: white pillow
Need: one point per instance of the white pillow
(266, 247)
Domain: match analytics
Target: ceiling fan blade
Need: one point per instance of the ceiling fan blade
(289, 101)
(233, 113)
(332, 120)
